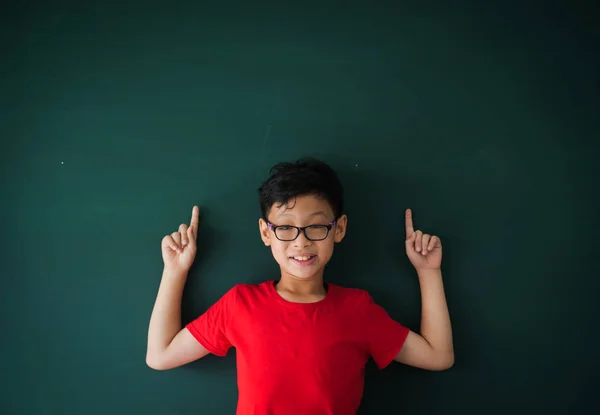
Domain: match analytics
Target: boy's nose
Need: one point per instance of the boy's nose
(302, 241)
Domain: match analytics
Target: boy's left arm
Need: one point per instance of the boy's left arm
(432, 349)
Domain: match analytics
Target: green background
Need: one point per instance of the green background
(116, 119)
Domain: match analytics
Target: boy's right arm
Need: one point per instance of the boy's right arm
(170, 345)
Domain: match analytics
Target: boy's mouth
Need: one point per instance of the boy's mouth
(304, 259)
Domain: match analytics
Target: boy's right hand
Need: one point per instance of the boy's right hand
(179, 248)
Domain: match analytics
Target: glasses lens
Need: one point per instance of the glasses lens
(316, 232)
(286, 233)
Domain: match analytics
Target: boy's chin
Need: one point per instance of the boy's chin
(303, 274)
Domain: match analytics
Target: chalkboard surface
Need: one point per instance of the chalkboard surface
(116, 119)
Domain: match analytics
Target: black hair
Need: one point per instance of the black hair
(307, 176)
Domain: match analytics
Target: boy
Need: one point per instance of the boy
(302, 344)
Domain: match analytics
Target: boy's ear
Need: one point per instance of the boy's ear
(340, 228)
(265, 233)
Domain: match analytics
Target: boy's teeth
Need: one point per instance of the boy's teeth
(302, 258)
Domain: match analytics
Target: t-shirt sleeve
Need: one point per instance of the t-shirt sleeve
(385, 336)
(212, 328)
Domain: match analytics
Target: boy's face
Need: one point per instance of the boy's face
(302, 258)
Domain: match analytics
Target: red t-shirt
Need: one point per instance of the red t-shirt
(296, 358)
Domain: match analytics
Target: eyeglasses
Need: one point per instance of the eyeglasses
(288, 233)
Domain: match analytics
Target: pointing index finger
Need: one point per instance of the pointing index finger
(409, 223)
(194, 221)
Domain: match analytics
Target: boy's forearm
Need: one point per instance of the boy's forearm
(165, 321)
(435, 318)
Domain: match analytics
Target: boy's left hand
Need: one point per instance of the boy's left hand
(423, 250)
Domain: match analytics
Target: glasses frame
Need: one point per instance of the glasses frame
(302, 229)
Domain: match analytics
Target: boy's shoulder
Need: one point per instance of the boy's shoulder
(252, 288)
(357, 296)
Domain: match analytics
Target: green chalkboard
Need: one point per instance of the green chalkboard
(116, 119)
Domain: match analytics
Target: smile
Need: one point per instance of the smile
(304, 259)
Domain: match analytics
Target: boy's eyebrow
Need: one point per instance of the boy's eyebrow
(319, 213)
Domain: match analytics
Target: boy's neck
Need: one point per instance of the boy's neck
(293, 289)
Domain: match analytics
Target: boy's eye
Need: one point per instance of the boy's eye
(285, 228)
